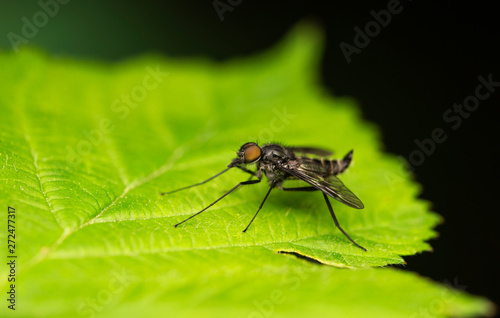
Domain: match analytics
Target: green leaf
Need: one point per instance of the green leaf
(87, 148)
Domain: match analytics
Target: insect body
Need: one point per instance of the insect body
(280, 163)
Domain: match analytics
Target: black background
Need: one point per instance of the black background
(425, 60)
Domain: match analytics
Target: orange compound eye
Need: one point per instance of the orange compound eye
(252, 153)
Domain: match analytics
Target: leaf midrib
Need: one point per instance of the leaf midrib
(45, 252)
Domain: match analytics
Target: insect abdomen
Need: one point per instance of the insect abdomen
(333, 166)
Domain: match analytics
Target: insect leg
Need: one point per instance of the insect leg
(196, 184)
(260, 207)
(253, 173)
(234, 188)
(337, 222)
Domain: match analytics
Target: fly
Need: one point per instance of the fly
(280, 163)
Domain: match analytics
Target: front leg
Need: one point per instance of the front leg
(228, 192)
(253, 173)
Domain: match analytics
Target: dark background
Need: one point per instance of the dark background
(425, 60)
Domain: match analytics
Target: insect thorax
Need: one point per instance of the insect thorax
(273, 156)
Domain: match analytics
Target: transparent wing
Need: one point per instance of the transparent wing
(343, 194)
(331, 186)
(312, 151)
(313, 166)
